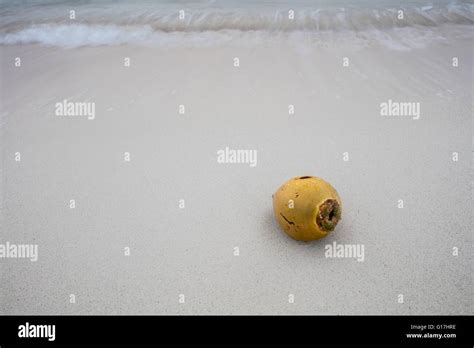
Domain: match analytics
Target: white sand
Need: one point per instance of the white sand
(190, 251)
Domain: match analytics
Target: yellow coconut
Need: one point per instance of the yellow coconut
(307, 207)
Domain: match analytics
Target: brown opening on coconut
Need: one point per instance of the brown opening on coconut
(328, 215)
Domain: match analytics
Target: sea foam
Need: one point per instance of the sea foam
(128, 23)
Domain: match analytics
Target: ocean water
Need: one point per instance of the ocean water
(208, 22)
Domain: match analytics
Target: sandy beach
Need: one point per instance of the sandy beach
(143, 174)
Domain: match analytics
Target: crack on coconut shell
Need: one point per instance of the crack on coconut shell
(328, 215)
(290, 222)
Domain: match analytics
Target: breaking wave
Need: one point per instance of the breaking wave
(119, 24)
